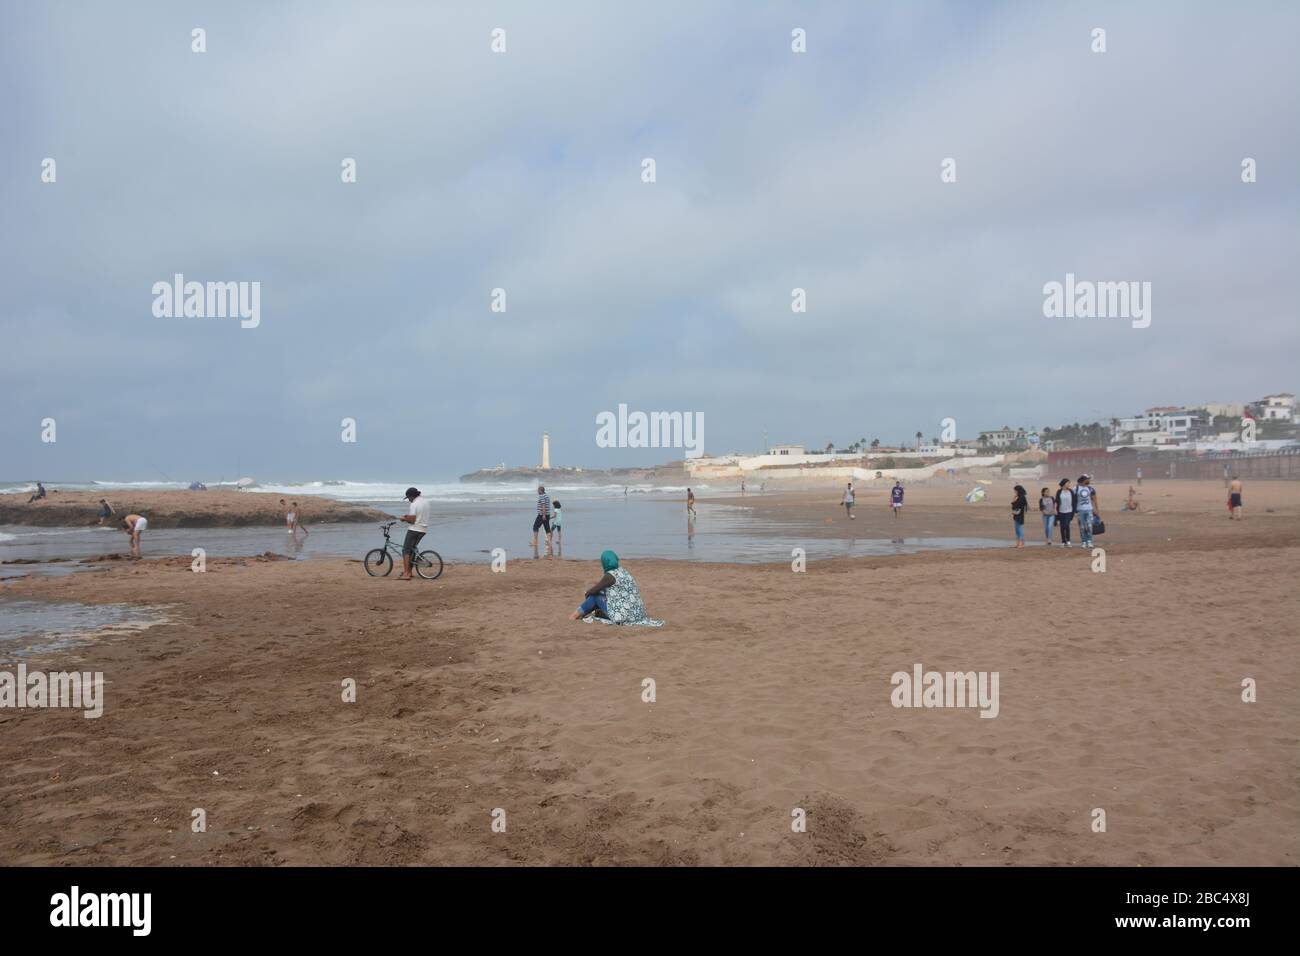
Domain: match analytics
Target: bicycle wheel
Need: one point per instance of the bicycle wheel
(428, 565)
(379, 563)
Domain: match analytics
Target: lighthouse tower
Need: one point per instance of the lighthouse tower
(546, 451)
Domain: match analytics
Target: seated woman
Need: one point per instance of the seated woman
(614, 599)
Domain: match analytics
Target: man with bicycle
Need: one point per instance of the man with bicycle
(418, 518)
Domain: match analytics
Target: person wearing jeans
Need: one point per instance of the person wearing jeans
(594, 602)
(1064, 509)
(1047, 505)
(1086, 498)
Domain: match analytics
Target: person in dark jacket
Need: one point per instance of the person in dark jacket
(1019, 505)
(1064, 509)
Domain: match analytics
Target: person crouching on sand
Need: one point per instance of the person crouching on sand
(105, 510)
(615, 598)
(1047, 505)
(135, 525)
(1019, 505)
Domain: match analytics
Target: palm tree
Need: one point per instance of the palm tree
(918, 439)
(875, 443)
(830, 447)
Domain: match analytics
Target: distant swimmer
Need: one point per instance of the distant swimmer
(289, 516)
(135, 525)
(690, 504)
(105, 510)
(295, 515)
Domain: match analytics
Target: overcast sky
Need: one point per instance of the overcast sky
(522, 170)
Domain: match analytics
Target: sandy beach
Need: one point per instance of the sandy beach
(177, 509)
(1118, 690)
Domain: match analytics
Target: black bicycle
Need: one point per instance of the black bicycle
(379, 562)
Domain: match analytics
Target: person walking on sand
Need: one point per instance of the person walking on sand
(40, 493)
(1085, 505)
(1047, 506)
(1234, 500)
(1019, 505)
(557, 519)
(1225, 476)
(1139, 477)
(1064, 509)
(105, 510)
(690, 505)
(896, 497)
(848, 501)
(135, 525)
(417, 516)
(543, 519)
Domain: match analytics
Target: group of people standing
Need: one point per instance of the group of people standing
(1061, 509)
(895, 499)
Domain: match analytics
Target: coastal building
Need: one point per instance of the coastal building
(546, 451)
(1004, 437)
(1161, 424)
(786, 450)
(1277, 408)
(1223, 409)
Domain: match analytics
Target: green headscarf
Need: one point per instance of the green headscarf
(608, 560)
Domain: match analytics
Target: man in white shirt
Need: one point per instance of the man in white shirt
(417, 516)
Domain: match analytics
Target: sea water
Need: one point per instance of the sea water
(637, 526)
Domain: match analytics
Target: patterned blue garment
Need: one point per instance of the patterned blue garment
(623, 602)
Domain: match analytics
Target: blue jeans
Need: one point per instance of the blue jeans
(1085, 528)
(1063, 525)
(1020, 530)
(591, 604)
(1048, 522)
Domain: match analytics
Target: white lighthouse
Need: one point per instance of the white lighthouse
(546, 451)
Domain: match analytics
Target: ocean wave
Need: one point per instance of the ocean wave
(391, 491)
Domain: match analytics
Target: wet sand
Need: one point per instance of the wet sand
(1119, 691)
(177, 509)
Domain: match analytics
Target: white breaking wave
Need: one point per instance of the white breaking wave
(381, 490)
